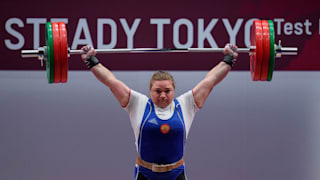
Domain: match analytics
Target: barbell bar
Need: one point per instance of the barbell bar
(279, 51)
(262, 51)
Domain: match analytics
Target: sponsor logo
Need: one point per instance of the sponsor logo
(153, 121)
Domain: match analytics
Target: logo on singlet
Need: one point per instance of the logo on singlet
(165, 128)
(153, 121)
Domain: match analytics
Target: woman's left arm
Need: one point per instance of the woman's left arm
(202, 90)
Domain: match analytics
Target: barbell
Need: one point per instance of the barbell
(262, 51)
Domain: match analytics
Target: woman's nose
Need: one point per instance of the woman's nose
(162, 94)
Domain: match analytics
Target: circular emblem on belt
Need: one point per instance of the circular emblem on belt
(164, 128)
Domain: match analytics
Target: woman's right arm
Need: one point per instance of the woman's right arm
(120, 90)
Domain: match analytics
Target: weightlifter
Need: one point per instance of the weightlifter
(162, 122)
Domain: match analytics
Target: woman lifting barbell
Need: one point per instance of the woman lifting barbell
(161, 123)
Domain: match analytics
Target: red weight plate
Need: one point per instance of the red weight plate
(57, 54)
(253, 53)
(256, 56)
(266, 50)
(64, 52)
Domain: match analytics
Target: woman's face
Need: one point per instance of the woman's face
(162, 92)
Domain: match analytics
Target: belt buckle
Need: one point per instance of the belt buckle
(159, 168)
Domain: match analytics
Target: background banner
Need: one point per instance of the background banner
(167, 24)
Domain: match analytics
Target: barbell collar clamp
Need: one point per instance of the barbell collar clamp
(285, 50)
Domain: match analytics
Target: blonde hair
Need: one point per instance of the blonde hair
(160, 76)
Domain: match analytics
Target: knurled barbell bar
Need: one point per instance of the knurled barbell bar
(262, 51)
